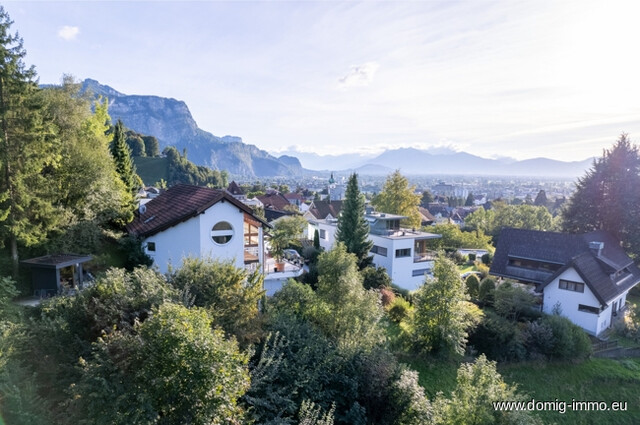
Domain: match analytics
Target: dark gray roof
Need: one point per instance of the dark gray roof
(607, 274)
(56, 261)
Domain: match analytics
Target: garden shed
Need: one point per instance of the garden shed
(53, 273)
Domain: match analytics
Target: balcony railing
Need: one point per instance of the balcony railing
(421, 257)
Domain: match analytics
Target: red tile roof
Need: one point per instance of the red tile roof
(274, 200)
(179, 203)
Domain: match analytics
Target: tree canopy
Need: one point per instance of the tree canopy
(441, 320)
(398, 197)
(608, 195)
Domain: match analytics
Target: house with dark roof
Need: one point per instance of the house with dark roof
(198, 221)
(324, 210)
(274, 200)
(584, 276)
(236, 191)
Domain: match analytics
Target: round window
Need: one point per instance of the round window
(222, 232)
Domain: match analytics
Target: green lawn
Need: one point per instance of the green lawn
(593, 380)
(151, 170)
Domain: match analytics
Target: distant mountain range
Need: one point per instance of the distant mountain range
(443, 162)
(170, 121)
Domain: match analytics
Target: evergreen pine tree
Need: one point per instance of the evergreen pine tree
(27, 155)
(541, 199)
(353, 229)
(607, 197)
(122, 158)
(469, 201)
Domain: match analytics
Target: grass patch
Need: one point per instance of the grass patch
(151, 170)
(593, 380)
(434, 374)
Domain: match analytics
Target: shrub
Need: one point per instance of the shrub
(487, 259)
(386, 296)
(498, 338)
(515, 303)
(375, 277)
(472, 257)
(399, 310)
(483, 269)
(538, 338)
(455, 256)
(404, 293)
(487, 291)
(629, 326)
(473, 286)
(570, 342)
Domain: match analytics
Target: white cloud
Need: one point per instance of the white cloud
(359, 75)
(68, 32)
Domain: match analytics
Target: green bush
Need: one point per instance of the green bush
(498, 338)
(487, 290)
(472, 257)
(399, 310)
(570, 342)
(515, 303)
(375, 277)
(473, 286)
(487, 259)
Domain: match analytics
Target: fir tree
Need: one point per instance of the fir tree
(122, 158)
(353, 229)
(27, 152)
(607, 197)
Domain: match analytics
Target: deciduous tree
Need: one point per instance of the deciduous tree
(440, 317)
(479, 385)
(397, 197)
(230, 294)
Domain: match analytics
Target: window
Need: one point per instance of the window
(323, 234)
(588, 309)
(251, 235)
(151, 246)
(571, 286)
(420, 272)
(534, 264)
(403, 252)
(222, 233)
(379, 250)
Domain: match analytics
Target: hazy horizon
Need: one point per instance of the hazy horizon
(492, 78)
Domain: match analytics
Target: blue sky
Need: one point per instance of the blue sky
(522, 79)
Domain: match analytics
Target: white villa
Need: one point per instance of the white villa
(586, 277)
(403, 252)
(197, 221)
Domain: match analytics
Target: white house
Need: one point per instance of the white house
(197, 221)
(403, 252)
(586, 277)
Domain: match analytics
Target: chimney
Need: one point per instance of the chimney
(596, 247)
